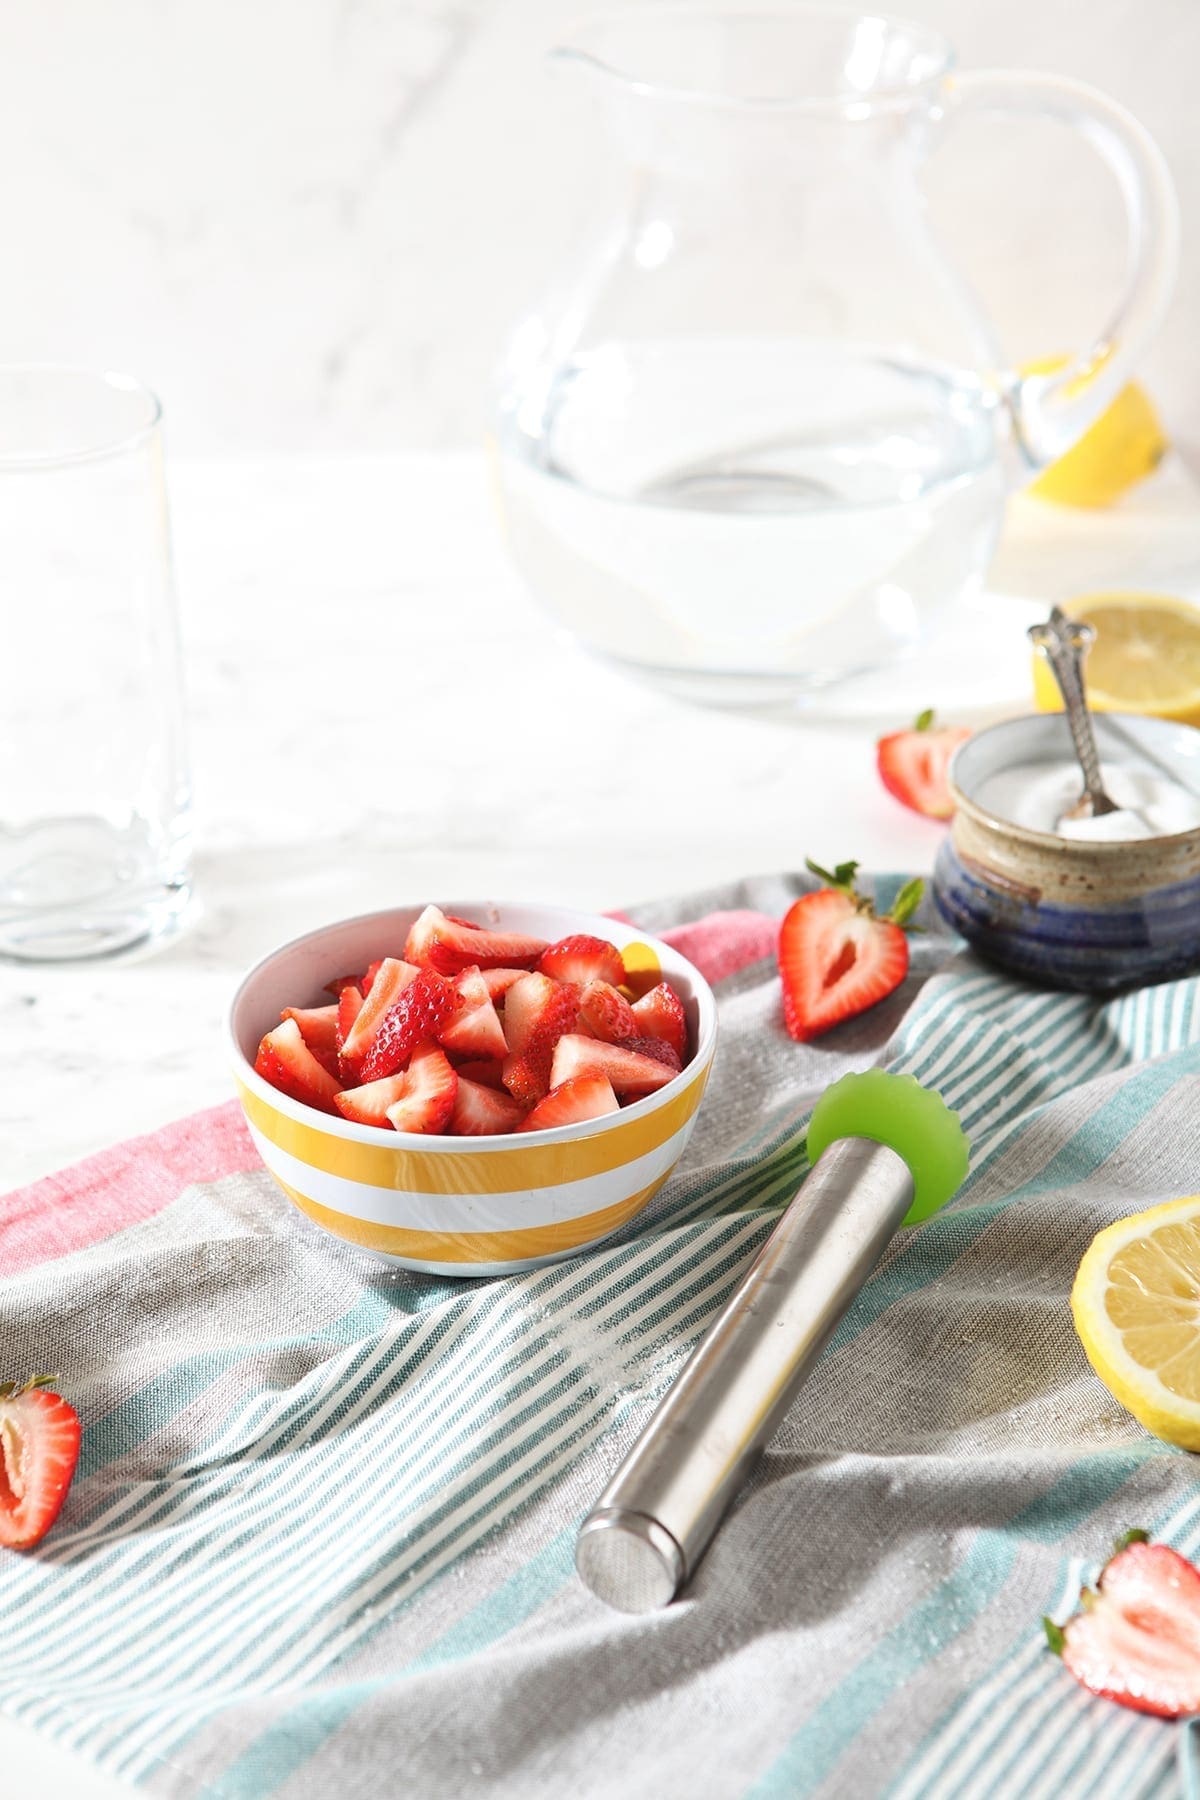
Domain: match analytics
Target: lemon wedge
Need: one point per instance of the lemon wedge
(1146, 657)
(1126, 444)
(1136, 1304)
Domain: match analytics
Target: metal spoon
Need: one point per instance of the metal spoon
(1064, 643)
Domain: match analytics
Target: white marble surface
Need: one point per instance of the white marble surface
(381, 714)
(310, 224)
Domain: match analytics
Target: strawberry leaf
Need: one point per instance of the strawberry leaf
(1056, 1637)
(907, 901)
(924, 720)
(1135, 1536)
(841, 876)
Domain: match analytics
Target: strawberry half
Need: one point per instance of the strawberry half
(286, 1061)
(836, 957)
(450, 946)
(368, 1104)
(606, 1012)
(429, 1088)
(629, 1072)
(318, 1025)
(389, 981)
(483, 1112)
(39, 1448)
(581, 959)
(913, 764)
(475, 1029)
(660, 1014)
(584, 1097)
(1137, 1641)
(422, 1010)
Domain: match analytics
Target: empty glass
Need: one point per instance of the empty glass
(760, 434)
(94, 794)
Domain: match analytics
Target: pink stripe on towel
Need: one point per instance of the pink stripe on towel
(724, 942)
(118, 1187)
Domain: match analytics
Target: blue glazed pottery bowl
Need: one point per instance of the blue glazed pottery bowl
(1093, 916)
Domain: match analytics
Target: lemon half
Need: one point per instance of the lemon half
(1126, 444)
(1136, 1304)
(1146, 657)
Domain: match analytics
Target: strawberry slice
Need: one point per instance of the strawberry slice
(318, 1025)
(484, 1074)
(385, 987)
(428, 1089)
(912, 765)
(836, 957)
(422, 1010)
(39, 1448)
(658, 1048)
(475, 1030)
(581, 959)
(584, 1097)
(370, 972)
(499, 981)
(606, 1012)
(660, 1014)
(368, 1104)
(349, 1005)
(537, 1011)
(526, 1081)
(450, 946)
(627, 1070)
(1137, 1641)
(340, 983)
(481, 1111)
(286, 1061)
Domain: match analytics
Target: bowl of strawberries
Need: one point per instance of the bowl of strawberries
(472, 1089)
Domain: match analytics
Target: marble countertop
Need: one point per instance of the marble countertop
(381, 714)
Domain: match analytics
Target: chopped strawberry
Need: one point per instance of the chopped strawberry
(429, 1089)
(39, 1448)
(450, 946)
(660, 1014)
(658, 1048)
(913, 764)
(318, 1025)
(537, 1011)
(368, 1104)
(484, 1074)
(285, 1060)
(1137, 1640)
(420, 1011)
(350, 1004)
(340, 983)
(389, 981)
(499, 981)
(836, 956)
(582, 959)
(483, 1112)
(475, 1029)
(627, 1070)
(585, 1097)
(370, 972)
(606, 1012)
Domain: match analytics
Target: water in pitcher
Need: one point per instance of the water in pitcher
(746, 519)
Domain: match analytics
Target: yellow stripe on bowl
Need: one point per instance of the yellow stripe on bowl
(442, 1170)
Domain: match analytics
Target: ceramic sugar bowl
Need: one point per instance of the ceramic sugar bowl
(1096, 905)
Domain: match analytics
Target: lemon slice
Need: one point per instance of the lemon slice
(1136, 1303)
(1146, 657)
(1126, 444)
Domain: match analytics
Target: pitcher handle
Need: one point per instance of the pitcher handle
(1052, 411)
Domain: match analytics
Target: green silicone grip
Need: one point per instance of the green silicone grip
(910, 1119)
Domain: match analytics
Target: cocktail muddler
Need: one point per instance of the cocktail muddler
(884, 1152)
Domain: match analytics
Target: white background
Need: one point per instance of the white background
(310, 224)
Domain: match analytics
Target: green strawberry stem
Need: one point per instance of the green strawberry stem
(1056, 1638)
(924, 720)
(841, 879)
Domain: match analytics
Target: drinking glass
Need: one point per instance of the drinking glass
(759, 435)
(94, 791)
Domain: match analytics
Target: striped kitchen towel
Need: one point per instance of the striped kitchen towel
(320, 1542)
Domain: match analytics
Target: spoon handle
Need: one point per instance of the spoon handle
(1064, 643)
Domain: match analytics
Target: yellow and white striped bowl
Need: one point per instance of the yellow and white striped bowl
(453, 1205)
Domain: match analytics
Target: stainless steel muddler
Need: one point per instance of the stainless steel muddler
(642, 1541)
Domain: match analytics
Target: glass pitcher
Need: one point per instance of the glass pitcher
(761, 434)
